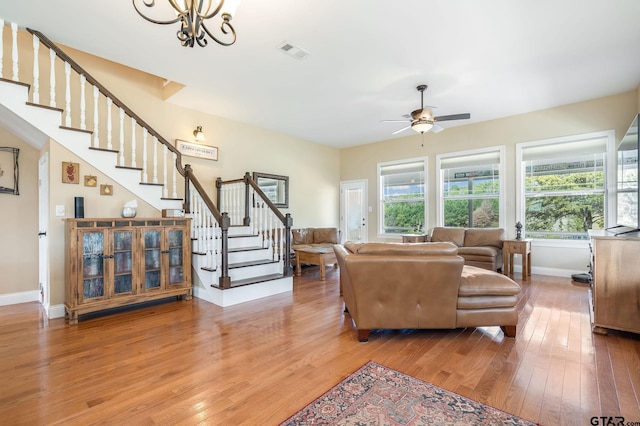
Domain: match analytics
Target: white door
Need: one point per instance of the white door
(353, 211)
(43, 228)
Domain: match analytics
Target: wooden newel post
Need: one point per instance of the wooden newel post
(218, 191)
(288, 223)
(187, 195)
(225, 279)
(247, 218)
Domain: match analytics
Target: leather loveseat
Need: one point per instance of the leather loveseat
(424, 285)
(314, 237)
(481, 247)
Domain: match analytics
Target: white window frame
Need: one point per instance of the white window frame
(439, 180)
(610, 186)
(380, 188)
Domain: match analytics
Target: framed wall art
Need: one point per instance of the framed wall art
(9, 170)
(70, 172)
(90, 180)
(106, 189)
(191, 149)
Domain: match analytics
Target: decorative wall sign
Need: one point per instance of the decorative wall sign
(191, 149)
(90, 180)
(70, 172)
(9, 164)
(106, 189)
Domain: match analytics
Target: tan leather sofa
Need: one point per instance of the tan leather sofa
(481, 247)
(424, 285)
(314, 237)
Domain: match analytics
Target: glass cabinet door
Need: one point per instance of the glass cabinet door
(152, 239)
(123, 262)
(93, 279)
(176, 256)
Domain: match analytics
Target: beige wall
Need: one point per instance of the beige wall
(19, 220)
(613, 112)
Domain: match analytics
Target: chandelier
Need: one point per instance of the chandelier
(192, 15)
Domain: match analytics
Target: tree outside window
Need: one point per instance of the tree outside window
(402, 197)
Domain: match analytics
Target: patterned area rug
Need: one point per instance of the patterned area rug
(377, 395)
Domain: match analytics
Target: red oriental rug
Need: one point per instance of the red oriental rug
(377, 395)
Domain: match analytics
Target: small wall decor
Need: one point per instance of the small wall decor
(8, 162)
(275, 187)
(191, 149)
(90, 180)
(106, 189)
(70, 172)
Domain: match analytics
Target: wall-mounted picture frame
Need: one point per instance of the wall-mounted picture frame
(197, 150)
(70, 172)
(90, 180)
(9, 170)
(106, 189)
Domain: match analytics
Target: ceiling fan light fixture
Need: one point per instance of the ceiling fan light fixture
(422, 126)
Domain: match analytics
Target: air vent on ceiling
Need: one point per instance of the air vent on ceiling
(293, 51)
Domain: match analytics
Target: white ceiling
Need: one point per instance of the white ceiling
(491, 58)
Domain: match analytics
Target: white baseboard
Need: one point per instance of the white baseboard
(55, 311)
(554, 272)
(20, 297)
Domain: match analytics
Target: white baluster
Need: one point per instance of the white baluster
(165, 190)
(175, 176)
(109, 124)
(36, 69)
(209, 257)
(201, 239)
(67, 94)
(133, 142)
(52, 78)
(145, 176)
(83, 105)
(155, 159)
(96, 118)
(1, 45)
(121, 157)
(14, 51)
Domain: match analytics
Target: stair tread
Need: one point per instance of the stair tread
(239, 249)
(254, 280)
(251, 263)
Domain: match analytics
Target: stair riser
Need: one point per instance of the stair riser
(246, 256)
(243, 242)
(253, 271)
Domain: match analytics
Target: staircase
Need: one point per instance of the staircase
(234, 260)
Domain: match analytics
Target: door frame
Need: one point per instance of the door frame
(43, 230)
(363, 184)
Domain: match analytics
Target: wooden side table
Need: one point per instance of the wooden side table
(521, 247)
(414, 238)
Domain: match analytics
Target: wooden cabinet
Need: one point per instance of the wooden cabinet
(117, 262)
(615, 287)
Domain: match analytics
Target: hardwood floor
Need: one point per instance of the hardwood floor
(259, 362)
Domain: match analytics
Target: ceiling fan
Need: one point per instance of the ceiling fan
(422, 120)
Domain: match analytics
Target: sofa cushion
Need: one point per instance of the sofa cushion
(301, 236)
(479, 253)
(475, 237)
(482, 282)
(406, 249)
(451, 234)
(487, 302)
(325, 235)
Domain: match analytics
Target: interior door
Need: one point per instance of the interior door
(43, 228)
(354, 211)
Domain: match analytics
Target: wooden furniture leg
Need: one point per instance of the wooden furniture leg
(322, 269)
(505, 263)
(298, 272)
(363, 335)
(525, 266)
(509, 330)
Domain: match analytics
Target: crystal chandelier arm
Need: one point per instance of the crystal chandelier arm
(226, 28)
(152, 3)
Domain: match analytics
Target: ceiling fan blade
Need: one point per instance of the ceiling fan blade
(395, 121)
(452, 117)
(401, 130)
(436, 129)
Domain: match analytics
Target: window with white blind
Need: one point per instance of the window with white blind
(402, 196)
(470, 188)
(563, 185)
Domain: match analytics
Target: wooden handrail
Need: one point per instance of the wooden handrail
(77, 68)
(190, 176)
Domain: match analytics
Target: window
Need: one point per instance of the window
(402, 196)
(470, 188)
(564, 186)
